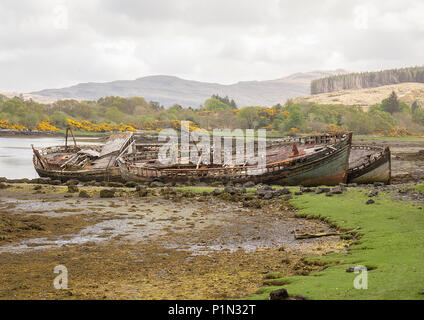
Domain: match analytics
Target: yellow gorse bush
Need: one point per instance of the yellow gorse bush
(5, 124)
(103, 127)
(46, 126)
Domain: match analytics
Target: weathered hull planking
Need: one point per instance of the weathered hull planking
(377, 169)
(111, 174)
(326, 167)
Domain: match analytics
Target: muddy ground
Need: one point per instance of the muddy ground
(131, 247)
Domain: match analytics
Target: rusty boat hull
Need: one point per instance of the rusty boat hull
(374, 167)
(83, 163)
(327, 166)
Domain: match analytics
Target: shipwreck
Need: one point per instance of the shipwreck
(83, 162)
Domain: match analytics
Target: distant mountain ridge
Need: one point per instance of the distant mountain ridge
(363, 80)
(169, 90)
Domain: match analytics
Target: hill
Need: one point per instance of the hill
(367, 80)
(407, 92)
(169, 90)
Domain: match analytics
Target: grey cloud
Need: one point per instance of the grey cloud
(216, 41)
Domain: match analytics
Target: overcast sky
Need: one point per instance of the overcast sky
(50, 44)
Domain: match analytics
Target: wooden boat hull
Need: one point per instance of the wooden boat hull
(327, 167)
(378, 170)
(111, 174)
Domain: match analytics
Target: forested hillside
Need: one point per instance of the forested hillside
(367, 80)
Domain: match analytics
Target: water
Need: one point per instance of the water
(16, 155)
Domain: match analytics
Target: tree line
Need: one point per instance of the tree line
(367, 80)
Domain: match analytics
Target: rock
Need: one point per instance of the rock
(337, 190)
(300, 297)
(72, 182)
(373, 193)
(352, 185)
(322, 190)
(3, 185)
(201, 184)
(288, 197)
(370, 201)
(379, 184)
(266, 187)
(156, 184)
(131, 184)
(83, 194)
(230, 190)
(216, 184)
(217, 192)
(350, 269)
(72, 188)
(306, 190)
(279, 294)
(249, 184)
(420, 153)
(268, 195)
(107, 193)
(329, 194)
(115, 184)
(37, 187)
(285, 191)
(142, 192)
(3, 179)
(298, 193)
(55, 182)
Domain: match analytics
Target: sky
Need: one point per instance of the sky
(58, 43)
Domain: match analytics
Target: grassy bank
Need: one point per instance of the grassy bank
(382, 138)
(391, 244)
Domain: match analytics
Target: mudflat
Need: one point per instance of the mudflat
(178, 245)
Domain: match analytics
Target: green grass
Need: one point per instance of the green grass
(381, 138)
(392, 241)
(419, 187)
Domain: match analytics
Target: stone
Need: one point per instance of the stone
(322, 190)
(83, 194)
(329, 194)
(72, 182)
(298, 193)
(217, 192)
(230, 190)
(107, 193)
(268, 195)
(249, 184)
(3, 185)
(285, 191)
(156, 184)
(373, 193)
(337, 190)
(115, 184)
(370, 201)
(279, 294)
(288, 197)
(72, 188)
(131, 184)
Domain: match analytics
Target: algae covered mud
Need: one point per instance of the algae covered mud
(153, 243)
